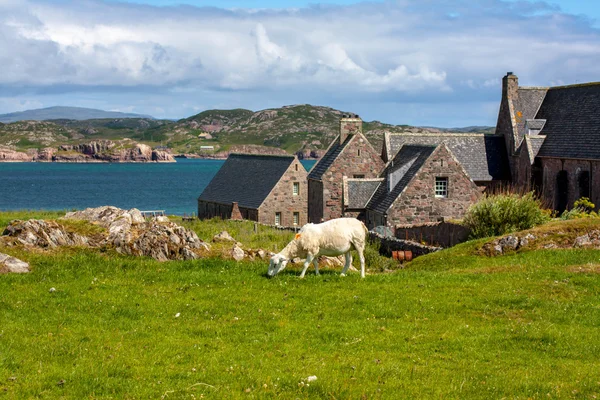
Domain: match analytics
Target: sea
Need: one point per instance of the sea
(172, 187)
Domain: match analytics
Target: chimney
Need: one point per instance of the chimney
(350, 124)
(510, 86)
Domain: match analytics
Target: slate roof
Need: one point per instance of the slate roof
(402, 170)
(484, 157)
(535, 124)
(247, 179)
(359, 191)
(572, 128)
(536, 143)
(325, 162)
(526, 107)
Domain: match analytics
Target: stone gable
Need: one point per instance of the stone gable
(283, 200)
(418, 204)
(357, 159)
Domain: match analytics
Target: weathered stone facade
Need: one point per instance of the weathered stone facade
(418, 203)
(283, 200)
(288, 196)
(357, 158)
(565, 181)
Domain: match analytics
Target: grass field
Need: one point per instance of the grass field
(450, 325)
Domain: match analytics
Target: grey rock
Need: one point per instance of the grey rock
(237, 253)
(223, 237)
(583, 241)
(12, 265)
(509, 243)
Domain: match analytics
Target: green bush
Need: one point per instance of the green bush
(504, 213)
(583, 208)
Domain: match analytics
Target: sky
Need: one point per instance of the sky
(425, 63)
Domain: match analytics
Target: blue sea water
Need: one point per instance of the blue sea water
(173, 187)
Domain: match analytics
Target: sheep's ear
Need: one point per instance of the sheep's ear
(297, 236)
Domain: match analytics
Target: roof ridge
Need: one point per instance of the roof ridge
(535, 87)
(448, 134)
(574, 85)
(261, 155)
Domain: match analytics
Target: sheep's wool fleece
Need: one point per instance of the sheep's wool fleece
(336, 234)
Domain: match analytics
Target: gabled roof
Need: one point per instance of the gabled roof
(526, 106)
(325, 162)
(572, 128)
(400, 171)
(246, 179)
(483, 157)
(358, 192)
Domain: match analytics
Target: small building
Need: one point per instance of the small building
(264, 188)
(553, 139)
(350, 155)
(420, 184)
(483, 156)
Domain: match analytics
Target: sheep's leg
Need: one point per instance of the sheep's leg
(348, 262)
(309, 259)
(316, 262)
(361, 256)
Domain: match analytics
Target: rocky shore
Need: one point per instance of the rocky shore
(100, 151)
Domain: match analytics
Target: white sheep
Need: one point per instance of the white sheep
(330, 238)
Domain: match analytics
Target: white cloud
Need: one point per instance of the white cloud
(401, 51)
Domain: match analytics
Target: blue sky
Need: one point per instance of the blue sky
(428, 62)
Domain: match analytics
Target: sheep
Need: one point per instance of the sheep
(330, 238)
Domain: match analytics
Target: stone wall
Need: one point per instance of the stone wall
(358, 158)
(281, 199)
(418, 204)
(441, 234)
(387, 245)
(551, 168)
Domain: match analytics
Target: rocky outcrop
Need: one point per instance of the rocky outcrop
(10, 155)
(12, 265)
(43, 234)
(126, 231)
(94, 151)
(130, 233)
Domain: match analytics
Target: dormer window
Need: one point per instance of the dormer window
(533, 127)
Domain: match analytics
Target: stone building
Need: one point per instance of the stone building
(552, 136)
(483, 156)
(264, 188)
(350, 155)
(422, 183)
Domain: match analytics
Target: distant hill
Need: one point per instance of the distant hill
(297, 128)
(71, 113)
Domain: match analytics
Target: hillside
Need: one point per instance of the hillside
(305, 129)
(75, 113)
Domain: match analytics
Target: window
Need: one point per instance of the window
(358, 176)
(296, 218)
(296, 188)
(296, 167)
(359, 152)
(441, 187)
(277, 218)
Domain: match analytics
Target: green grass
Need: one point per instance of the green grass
(450, 325)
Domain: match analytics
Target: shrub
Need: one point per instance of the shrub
(504, 213)
(583, 208)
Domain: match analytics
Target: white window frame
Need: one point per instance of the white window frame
(441, 187)
(277, 218)
(296, 218)
(296, 188)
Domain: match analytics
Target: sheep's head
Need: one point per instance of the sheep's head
(277, 264)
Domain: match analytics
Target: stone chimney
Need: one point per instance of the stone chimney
(350, 124)
(510, 86)
(235, 212)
